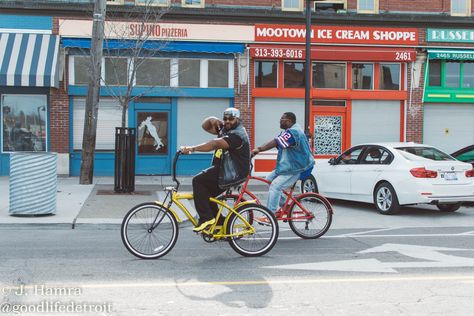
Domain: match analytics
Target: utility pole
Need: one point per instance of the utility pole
(92, 101)
(307, 77)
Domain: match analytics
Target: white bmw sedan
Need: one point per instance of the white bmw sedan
(394, 174)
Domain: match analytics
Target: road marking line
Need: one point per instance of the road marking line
(371, 231)
(268, 282)
(400, 235)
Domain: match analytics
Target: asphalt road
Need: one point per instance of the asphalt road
(398, 270)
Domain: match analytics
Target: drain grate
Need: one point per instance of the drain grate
(112, 192)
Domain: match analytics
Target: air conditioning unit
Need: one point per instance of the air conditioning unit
(329, 6)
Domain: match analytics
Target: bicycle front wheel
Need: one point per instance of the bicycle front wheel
(149, 231)
(310, 216)
(265, 233)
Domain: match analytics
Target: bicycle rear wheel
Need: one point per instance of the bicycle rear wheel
(264, 237)
(149, 231)
(313, 218)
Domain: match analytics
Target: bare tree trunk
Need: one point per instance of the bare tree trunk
(124, 113)
(92, 101)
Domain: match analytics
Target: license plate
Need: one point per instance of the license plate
(449, 176)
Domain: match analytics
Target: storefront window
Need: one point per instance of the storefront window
(116, 71)
(82, 70)
(453, 71)
(218, 73)
(468, 78)
(362, 76)
(460, 7)
(152, 2)
(293, 5)
(389, 76)
(193, 3)
(294, 75)
(434, 76)
(189, 72)
(266, 74)
(329, 75)
(367, 5)
(153, 72)
(24, 123)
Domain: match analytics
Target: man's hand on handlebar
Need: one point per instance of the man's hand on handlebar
(186, 150)
(254, 152)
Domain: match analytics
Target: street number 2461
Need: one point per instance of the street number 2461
(402, 56)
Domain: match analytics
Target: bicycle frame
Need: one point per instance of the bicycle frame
(176, 197)
(290, 199)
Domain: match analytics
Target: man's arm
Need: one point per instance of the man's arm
(211, 145)
(271, 144)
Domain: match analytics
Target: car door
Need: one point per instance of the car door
(373, 162)
(337, 180)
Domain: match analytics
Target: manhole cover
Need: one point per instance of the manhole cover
(112, 192)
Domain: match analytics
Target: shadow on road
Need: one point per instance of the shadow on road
(254, 292)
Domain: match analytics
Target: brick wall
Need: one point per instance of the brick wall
(59, 119)
(243, 100)
(59, 110)
(414, 123)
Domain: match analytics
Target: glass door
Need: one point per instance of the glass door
(153, 142)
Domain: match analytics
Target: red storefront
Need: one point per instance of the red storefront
(359, 81)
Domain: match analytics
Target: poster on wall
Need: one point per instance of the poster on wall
(152, 133)
(327, 135)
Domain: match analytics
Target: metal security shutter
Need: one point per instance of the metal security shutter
(448, 126)
(375, 121)
(109, 117)
(191, 113)
(268, 113)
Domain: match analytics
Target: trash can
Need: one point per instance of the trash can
(33, 183)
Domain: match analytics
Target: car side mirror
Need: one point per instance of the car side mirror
(332, 161)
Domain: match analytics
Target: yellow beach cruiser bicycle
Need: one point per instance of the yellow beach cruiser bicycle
(150, 230)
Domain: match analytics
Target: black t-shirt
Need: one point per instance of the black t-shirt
(239, 151)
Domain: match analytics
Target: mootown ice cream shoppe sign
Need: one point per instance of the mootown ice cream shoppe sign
(337, 34)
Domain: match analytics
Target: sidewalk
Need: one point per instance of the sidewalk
(93, 204)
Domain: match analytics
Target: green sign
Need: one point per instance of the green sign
(452, 55)
(450, 35)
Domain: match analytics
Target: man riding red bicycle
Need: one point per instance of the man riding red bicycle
(294, 159)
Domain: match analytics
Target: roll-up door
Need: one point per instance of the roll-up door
(268, 113)
(448, 126)
(375, 121)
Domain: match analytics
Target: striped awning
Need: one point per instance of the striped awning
(29, 60)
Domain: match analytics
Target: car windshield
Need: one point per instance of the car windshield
(426, 152)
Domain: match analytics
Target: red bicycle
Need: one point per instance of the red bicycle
(309, 214)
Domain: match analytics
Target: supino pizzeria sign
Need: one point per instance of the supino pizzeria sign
(336, 34)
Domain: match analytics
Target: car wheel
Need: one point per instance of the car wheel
(309, 185)
(449, 207)
(385, 199)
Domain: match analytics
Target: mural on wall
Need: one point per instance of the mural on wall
(152, 135)
(327, 135)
